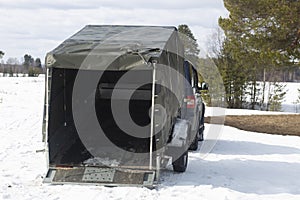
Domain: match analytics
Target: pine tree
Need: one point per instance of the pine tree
(11, 72)
(261, 36)
(28, 61)
(191, 49)
(38, 63)
(276, 98)
(267, 29)
(233, 74)
(1, 54)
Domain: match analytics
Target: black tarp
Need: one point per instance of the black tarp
(106, 44)
(106, 53)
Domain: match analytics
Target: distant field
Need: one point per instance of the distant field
(271, 124)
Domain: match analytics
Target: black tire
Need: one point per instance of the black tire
(201, 137)
(201, 130)
(180, 164)
(194, 144)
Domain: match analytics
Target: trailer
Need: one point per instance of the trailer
(115, 106)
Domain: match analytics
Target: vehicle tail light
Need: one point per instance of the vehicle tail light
(190, 101)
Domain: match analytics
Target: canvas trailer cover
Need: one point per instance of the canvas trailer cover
(101, 128)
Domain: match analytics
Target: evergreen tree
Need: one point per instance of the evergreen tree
(11, 72)
(28, 61)
(191, 49)
(266, 29)
(261, 36)
(233, 74)
(276, 99)
(38, 63)
(1, 54)
(33, 72)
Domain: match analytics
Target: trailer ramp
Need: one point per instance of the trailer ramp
(101, 176)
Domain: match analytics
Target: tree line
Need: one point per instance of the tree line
(28, 66)
(257, 44)
(261, 43)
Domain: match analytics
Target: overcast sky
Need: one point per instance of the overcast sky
(36, 26)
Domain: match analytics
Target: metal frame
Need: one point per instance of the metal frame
(152, 115)
(154, 176)
(149, 183)
(46, 113)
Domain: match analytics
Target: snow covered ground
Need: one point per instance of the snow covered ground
(290, 102)
(242, 165)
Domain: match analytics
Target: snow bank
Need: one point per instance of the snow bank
(215, 111)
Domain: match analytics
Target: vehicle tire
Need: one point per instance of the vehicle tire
(201, 137)
(180, 164)
(194, 144)
(201, 130)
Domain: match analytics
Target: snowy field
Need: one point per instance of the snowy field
(290, 102)
(242, 165)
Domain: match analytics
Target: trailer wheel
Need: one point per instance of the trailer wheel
(180, 164)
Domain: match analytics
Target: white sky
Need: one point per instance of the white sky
(36, 27)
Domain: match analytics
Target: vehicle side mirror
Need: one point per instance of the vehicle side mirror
(203, 86)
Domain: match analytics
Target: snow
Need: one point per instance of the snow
(289, 104)
(216, 111)
(242, 165)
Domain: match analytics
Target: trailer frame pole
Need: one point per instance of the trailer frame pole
(152, 115)
(46, 114)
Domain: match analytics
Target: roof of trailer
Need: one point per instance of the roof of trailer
(103, 44)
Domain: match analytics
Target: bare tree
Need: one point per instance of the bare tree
(12, 61)
(215, 43)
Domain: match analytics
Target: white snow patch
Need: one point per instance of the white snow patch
(216, 111)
